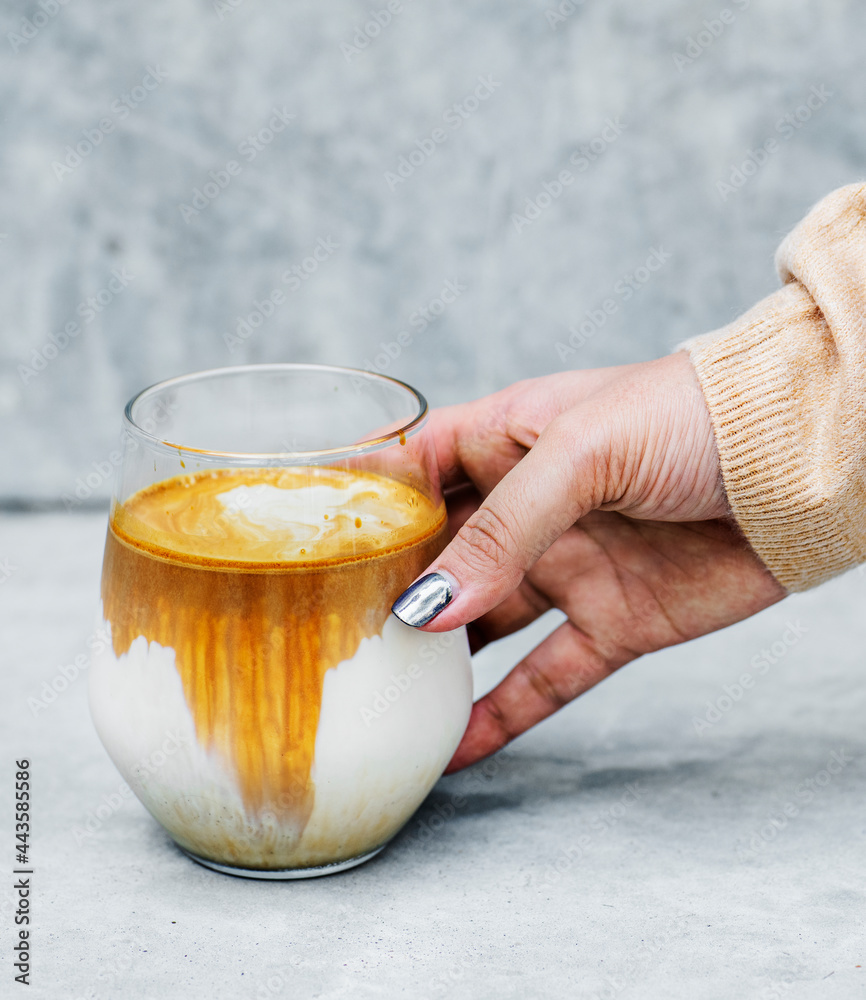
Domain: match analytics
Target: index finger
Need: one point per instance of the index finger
(445, 426)
(476, 444)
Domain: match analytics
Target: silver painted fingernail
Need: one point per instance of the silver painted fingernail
(423, 600)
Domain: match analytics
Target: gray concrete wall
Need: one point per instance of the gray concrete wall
(685, 115)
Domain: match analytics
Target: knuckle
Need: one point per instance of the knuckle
(499, 720)
(550, 692)
(488, 540)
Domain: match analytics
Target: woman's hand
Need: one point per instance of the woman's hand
(598, 493)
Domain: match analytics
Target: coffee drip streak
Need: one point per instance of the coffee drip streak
(252, 647)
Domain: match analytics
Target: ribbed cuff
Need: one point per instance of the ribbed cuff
(770, 396)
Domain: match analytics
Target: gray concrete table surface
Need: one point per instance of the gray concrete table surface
(675, 833)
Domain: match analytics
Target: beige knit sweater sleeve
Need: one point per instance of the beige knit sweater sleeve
(786, 389)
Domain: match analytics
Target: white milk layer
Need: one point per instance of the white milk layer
(391, 718)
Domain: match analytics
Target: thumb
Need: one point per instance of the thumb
(554, 485)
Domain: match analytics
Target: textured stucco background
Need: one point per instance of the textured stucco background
(667, 105)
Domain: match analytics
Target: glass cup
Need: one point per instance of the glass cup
(257, 694)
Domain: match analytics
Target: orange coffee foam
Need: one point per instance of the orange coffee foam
(276, 516)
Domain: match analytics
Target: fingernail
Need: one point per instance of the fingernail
(424, 600)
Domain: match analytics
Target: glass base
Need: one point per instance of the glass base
(285, 873)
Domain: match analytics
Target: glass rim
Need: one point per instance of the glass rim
(409, 428)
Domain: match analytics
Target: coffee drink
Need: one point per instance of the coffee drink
(258, 696)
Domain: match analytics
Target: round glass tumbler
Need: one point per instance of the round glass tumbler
(257, 694)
